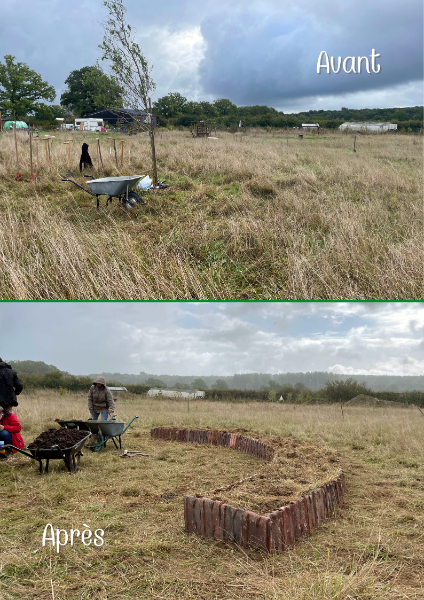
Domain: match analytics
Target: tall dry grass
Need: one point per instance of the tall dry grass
(245, 217)
(371, 548)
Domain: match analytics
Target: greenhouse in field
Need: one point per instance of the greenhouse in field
(19, 125)
(372, 127)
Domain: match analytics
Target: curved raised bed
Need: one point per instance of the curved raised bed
(273, 531)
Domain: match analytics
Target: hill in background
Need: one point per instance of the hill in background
(315, 380)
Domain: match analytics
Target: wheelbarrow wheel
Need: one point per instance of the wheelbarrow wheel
(136, 197)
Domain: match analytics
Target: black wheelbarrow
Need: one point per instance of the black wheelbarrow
(70, 456)
(105, 431)
(113, 187)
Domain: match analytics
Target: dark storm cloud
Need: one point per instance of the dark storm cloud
(249, 51)
(263, 57)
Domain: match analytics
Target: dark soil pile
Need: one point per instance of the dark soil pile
(64, 438)
(298, 467)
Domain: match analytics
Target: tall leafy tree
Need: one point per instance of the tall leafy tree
(129, 65)
(220, 384)
(21, 88)
(199, 384)
(48, 112)
(208, 109)
(171, 105)
(155, 382)
(343, 391)
(90, 89)
(225, 107)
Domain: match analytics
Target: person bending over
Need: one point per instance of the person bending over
(100, 400)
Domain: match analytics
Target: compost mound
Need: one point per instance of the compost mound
(64, 438)
(363, 400)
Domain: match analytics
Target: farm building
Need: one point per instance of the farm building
(171, 393)
(117, 391)
(310, 127)
(368, 127)
(123, 117)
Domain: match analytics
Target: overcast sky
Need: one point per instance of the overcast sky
(183, 338)
(252, 52)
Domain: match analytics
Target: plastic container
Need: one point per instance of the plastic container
(2, 449)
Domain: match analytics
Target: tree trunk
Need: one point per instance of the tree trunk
(152, 141)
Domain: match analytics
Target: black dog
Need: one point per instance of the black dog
(85, 159)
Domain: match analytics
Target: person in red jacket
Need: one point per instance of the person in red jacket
(10, 428)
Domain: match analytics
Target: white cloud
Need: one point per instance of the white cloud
(175, 56)
(393, 366)
(220, 339)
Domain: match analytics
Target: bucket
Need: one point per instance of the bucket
(2, 449)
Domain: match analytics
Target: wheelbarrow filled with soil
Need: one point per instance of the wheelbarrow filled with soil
(56, 444)
(104, 430)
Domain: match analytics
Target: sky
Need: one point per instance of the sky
(217, 338)
(252, 52)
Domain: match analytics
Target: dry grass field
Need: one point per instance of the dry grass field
(371, 548)
(245, 217)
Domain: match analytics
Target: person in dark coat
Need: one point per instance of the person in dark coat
(10, 386)
(100, 400)
(85, 160)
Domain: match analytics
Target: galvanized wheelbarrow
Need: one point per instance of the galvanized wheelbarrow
(113, 187)
(105, 430)
(70, 456)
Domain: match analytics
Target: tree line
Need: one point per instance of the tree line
(332, 391)
(314, 380)
(22, 92)
(175, 110)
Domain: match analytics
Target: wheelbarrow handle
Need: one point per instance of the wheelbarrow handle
(129, 425)
(80, 186)
(19, 450)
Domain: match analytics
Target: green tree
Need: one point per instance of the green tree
(199, 384)
(90, 89)
(21, 88)
(46, 112)
(170, 106)
(343, 391)
(129, 65)
(224, 107)
(208, 110)
(32, 367)
(220, 385)
(153, 382)
(272, 396)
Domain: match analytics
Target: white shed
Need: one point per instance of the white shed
(310, 127)
(173, 393)
(368, 126)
